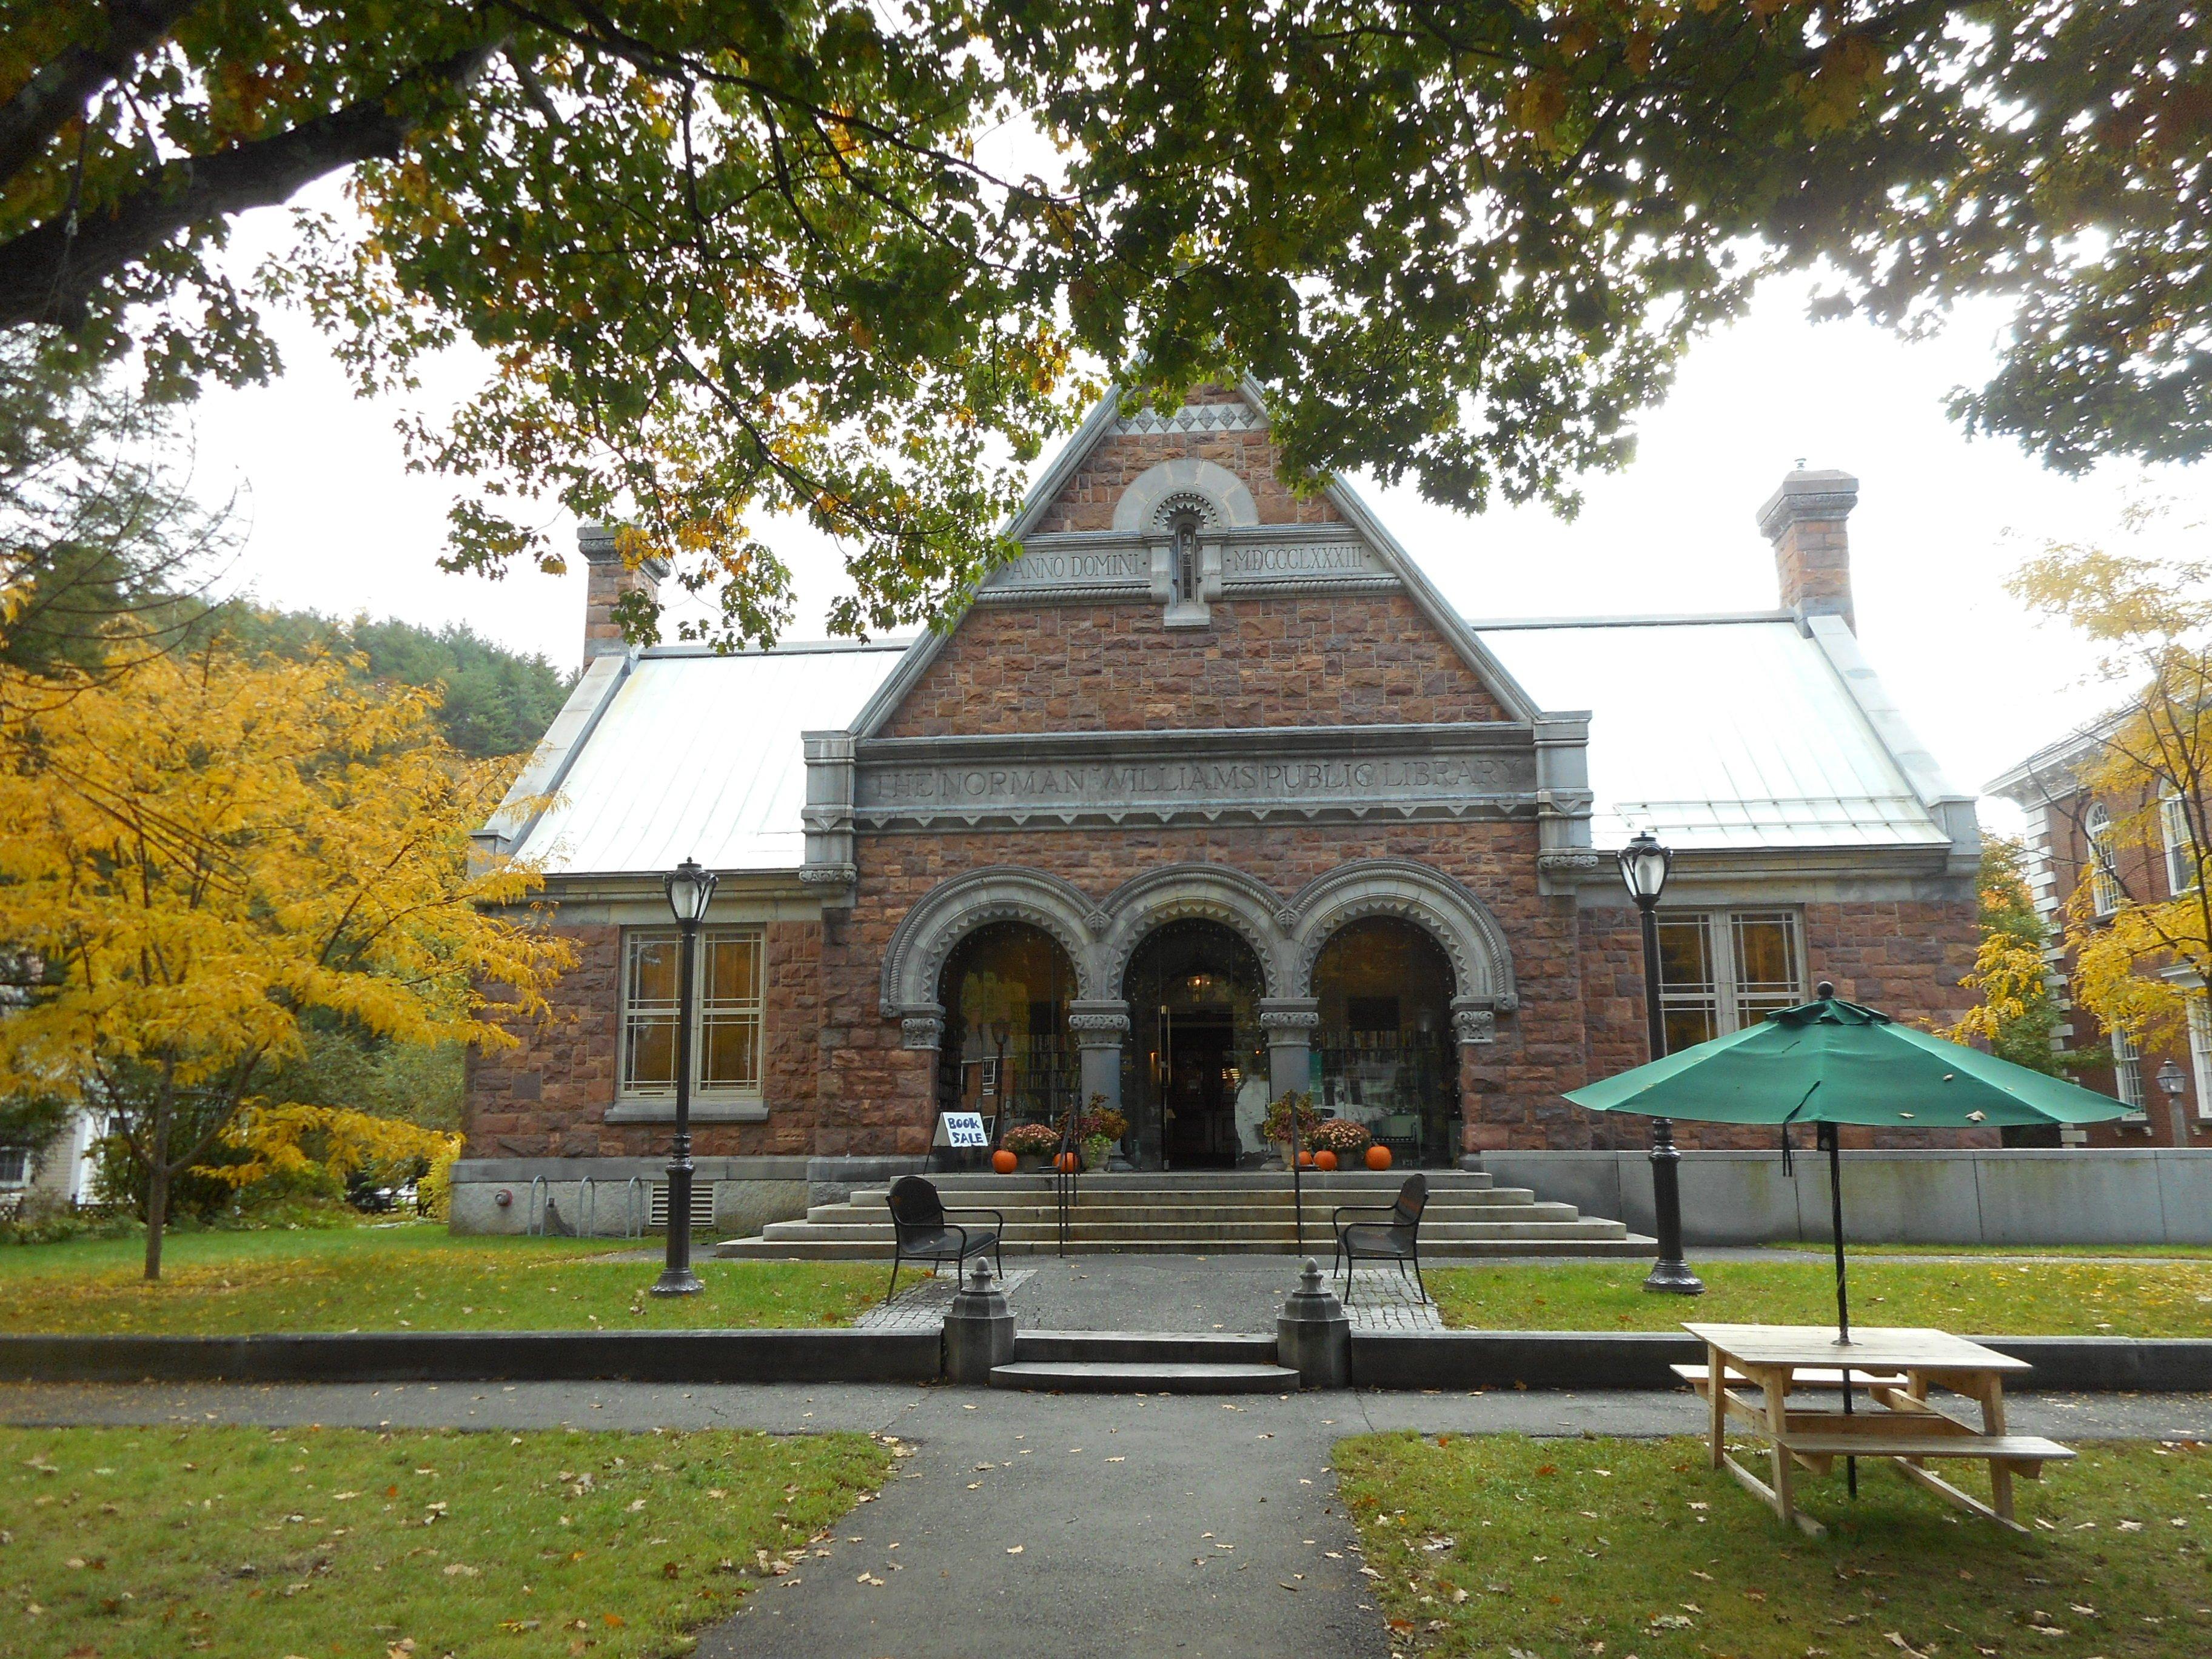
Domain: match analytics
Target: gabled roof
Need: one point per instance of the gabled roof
(1512, 698)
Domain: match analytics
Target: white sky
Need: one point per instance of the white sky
(335, 523)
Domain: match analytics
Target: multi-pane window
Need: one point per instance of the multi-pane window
(15, 1167)
(1721, 971)
(2180, 845)
(2199, 1052)
(2127, 1073)
(725, 1046)
(2104, 884)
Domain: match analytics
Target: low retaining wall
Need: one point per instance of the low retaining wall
(1602, 1360)
(2154, 1195)
(708, 1356)
(1586, 1360)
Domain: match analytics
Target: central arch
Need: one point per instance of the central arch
(1195, 1083)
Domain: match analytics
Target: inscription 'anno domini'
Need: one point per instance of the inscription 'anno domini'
(1049, 569)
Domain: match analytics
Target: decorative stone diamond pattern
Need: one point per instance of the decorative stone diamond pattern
(1195, 417)
(923, 1308)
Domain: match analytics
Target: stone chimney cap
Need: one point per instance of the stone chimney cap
(1827, 494)
(596, 542)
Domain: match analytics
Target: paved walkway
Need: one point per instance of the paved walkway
(1073, 1525)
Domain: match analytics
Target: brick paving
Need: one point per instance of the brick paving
(1383, 1299)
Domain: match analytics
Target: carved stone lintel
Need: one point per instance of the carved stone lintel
(1475, 1025)
(921, 1031)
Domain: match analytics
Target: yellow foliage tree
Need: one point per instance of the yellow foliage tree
(2140, 920)
(294, 1140)
(203, 852)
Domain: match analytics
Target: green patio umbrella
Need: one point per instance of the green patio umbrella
(1832, 1062)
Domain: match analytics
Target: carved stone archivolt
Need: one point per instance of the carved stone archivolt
(1100, 937)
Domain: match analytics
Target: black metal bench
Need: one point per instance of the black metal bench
(921, 1232)
(1398, 1239)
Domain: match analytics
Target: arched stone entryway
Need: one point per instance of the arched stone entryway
(1005, 989)
(1385, 1051)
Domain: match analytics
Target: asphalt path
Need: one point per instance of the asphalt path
(1074, 1525)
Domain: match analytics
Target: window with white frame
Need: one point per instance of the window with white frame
(15, 1167)
(726, 1045)
(2199, 1052)
(2127, 1073)
(1721, 971)
(2104, 884)
(2180, 845)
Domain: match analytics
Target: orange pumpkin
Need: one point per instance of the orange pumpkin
(1305, 1160)
(1378, 1156)
(1004, 1162)
(1324, 1159)
(1068, 1163)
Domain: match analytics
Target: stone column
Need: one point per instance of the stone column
(1290, 1023)
(1098, 1028)
(1475, 1021)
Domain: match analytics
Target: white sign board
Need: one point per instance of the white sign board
(962, 1129)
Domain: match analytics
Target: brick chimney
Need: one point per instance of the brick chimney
(1804, 519)
(611, 580)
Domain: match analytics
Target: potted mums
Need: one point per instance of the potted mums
(1337, 1139)
(1033, 1144)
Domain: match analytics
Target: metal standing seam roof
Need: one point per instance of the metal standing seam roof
(1718, 735)
(698, 756)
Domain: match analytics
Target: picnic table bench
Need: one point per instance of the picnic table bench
(1895, 1369)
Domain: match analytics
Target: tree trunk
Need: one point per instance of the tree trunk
(157, 1186)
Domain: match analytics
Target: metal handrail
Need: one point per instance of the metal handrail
(535, 1206)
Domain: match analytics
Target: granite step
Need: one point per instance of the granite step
(1155, 1244)
(1142, 1376)
(1146, 1347)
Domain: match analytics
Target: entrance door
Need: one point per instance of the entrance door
(1195, 1082)
(1202, 1133)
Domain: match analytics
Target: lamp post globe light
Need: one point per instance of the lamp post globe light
(1643, 868)
(691, 890)
(2171, 1079)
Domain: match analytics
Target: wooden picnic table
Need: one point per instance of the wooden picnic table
(1890, 1370)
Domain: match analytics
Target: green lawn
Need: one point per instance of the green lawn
(405, 1277)
(346, 1543)
(2118, 1252)
(1600, 1549)
(2070, 1298)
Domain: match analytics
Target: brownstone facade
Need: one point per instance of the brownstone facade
(844, 1076)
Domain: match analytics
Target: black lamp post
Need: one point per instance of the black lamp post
(2172, 1080)
(691, 890)
(1643, 866)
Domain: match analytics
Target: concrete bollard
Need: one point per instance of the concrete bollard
(979, 1329)
(1313, 1334)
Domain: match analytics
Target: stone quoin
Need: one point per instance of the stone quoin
(1209, 794)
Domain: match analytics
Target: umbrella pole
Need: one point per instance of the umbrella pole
(1843, 1295)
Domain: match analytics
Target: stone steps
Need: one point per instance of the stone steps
(1130, 1376)
(1206, 1213)
(1147, 1348)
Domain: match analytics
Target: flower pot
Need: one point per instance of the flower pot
(1004, 1162)
(1324, 1159)
(1378, 1156)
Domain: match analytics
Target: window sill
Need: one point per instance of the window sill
(662, 1109)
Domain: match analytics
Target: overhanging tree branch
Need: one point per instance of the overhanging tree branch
(54, 267)
(59, 88)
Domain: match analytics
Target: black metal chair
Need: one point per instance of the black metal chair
(921, 1232)
(1398, 1239)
